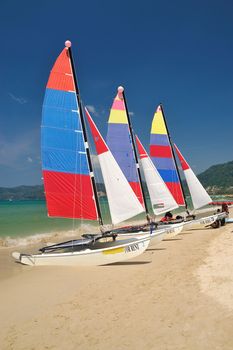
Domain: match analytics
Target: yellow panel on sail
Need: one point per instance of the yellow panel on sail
(158, 124)
(118, 117)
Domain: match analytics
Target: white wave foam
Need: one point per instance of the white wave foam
(45, 238)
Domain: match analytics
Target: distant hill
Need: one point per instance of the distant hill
(22, 192)
(218, 179)
(32, 192)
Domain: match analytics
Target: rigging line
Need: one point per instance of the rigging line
(135, 153)
(76, 163)
(85, 138)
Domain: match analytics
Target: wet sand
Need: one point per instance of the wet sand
(177, 295)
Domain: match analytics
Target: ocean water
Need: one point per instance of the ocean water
(26, 222)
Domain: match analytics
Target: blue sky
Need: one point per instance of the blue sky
(179, 53)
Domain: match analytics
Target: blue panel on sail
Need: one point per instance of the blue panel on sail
(60, 99)
(168, 175)
(63, 150)
(60, 118)
(62, 139)
(65, 161)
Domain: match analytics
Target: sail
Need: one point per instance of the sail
(120, 143)
(198, 194)
(160, 196)
(123, 203)
(67, 181)
(162, 156)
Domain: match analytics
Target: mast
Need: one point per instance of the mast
(169, 137)
(68, 45)
(121, 91)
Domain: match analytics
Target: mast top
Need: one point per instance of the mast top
(68, 43)
(120, 91)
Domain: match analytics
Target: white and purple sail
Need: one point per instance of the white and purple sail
(123, 202)
(119, 141)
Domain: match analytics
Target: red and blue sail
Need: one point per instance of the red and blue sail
(120, 143)
(67, 182)
(162, 156)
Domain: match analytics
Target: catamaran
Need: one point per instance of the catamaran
(121, 142)
(199, 196)
(163, 157)
(69, 182)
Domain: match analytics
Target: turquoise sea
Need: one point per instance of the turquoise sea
(23, 222)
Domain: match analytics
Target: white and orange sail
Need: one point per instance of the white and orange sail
(123, 202)
(160, 196)
(198, 194)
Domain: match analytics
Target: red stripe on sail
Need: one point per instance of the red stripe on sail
(183, 162)
(61, 76)
(141, 150)
(69, 195)
(100, 144)
(160, 151)
(176, 191)
(137, 190)
(60, 81)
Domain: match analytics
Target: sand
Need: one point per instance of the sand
(177, 295)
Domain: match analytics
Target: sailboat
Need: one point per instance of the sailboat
(163, 157)
(120, 140)
(199, 195)
(160, 196)
(122, 200)
(69, 182)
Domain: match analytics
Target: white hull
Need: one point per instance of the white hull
(163, 232)
(157, 236)
(173, 230)
(108, 253)
(203, 222)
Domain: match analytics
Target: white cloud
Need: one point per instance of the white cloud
(19, 100)
(131, 114)
(14, 153)
(92, 109)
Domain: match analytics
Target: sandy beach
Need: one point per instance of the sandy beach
(177, 295)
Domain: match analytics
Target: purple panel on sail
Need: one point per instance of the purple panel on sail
(163, 163)
(159, 139)
(118, 140)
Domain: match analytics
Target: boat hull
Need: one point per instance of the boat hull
(203, 222)
(173, 230)
(108, 254)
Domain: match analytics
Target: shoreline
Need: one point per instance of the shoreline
(23, 241)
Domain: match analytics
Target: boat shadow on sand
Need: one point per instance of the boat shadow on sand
(172, 239)
(128, 263)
